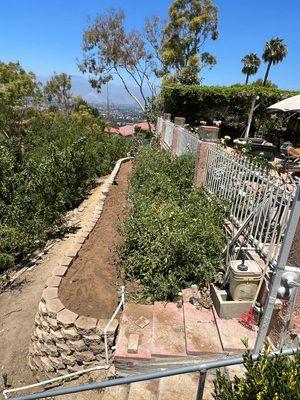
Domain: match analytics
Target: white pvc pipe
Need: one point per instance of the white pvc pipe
(83, 371)
(110, 321)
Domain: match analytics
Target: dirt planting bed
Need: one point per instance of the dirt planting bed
(89, 287)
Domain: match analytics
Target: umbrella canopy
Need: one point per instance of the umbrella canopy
(290, 104)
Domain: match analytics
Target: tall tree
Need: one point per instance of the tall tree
(274, 52)
(110, 50)
(251, 65)
(58, 92)
(18, 94)
(190, 24)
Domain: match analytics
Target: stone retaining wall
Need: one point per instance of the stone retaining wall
(62, 341)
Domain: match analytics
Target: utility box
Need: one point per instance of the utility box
(244, 282)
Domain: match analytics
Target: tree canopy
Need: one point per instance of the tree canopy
(274, 52)
(251, 64)
(18, 93)
(58, 92)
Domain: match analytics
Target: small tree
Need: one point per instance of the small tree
(267, 379)
(58, 92)
(275, 51)
(251, 64)
(190, 24)
(110, 50)
(18, 94)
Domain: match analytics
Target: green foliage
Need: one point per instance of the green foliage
(231, 105)
(274, 52)
(18, 94)
(173, 234)
(190, 24)
(58, 92)
(275, 378)
(251, 64)
(62, 155)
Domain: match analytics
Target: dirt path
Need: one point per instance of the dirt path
(89, 288)
(18, 305)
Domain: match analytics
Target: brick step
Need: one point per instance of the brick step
(135, 337)
(170, 388)
(168, 335)
(232, 334)
(201, 334)
(147, 390)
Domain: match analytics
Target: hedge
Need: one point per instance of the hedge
(229, 104)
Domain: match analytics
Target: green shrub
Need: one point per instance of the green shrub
(173, 234)
(62, 157)
(275, 378)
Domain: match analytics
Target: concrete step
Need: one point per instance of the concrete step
(232, 333)
(147, 390)
(135, 316)
(201, 333)
(178, 387)
(168, 337)
(115, 393)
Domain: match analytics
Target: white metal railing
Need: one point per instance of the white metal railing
(168, 136)
(187, 142)
(248, 187)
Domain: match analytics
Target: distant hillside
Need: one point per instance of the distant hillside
(81, 87)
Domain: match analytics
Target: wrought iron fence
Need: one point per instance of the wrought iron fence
(168, 136)
(187, 142)
(249, 188)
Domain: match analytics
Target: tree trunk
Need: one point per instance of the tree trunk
(267, 73)
(247, 79)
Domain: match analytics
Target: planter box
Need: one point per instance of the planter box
(225, 307)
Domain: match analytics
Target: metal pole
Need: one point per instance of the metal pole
(201, 384)
(278, 271)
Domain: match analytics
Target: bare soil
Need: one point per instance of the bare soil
(90, 288)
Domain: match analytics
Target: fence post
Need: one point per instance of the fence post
(166, 117)
(200, 167)
(178, 122)
(201, 384)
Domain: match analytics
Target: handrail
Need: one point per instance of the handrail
(202, 368)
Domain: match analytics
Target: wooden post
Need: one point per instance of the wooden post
(178, 122)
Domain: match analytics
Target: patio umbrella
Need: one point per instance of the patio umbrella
(292, 104)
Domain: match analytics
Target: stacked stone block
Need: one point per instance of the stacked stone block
(64, 342)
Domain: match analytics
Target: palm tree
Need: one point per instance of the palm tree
(275, 51)
(251, 64)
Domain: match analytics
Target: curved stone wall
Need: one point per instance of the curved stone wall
(62, 341)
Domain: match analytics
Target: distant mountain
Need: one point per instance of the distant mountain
(81, 87)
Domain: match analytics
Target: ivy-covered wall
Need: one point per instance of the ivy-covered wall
(231, 105)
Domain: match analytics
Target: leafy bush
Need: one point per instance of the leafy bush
(62, 156)
(173, 234)
(231, 105)
(275, 378)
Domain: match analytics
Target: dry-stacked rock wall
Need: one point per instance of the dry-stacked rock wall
(64, 342)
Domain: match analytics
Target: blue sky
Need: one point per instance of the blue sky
(45, 36)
